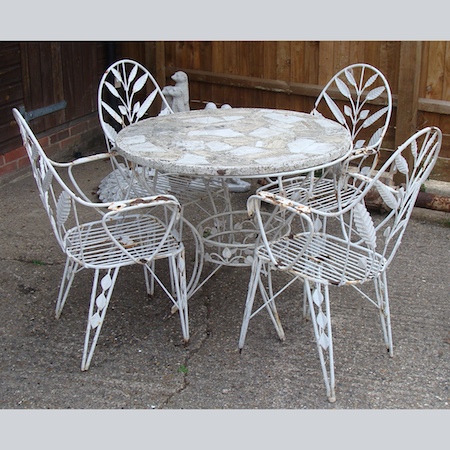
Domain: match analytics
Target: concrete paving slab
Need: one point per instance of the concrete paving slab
(141, 364)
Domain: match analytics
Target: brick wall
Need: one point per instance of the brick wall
(82, 137)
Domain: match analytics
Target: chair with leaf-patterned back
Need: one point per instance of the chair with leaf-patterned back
(118, 234)
(350, 251)
(360, 99)
(127, 93)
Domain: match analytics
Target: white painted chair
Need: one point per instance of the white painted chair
(350, 251)
(120, 234)
(363, 104)
(126, 94)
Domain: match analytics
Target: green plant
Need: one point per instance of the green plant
(182, 369)
(37, 262)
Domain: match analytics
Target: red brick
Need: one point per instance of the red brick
(45, 141)
(57, 137)
(23, 162)
(14, 155)
(70, 142)
(8, 168)
(78, 128)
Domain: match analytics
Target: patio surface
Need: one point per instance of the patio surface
(140, 362)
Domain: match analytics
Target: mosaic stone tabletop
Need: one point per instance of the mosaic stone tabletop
(243, 142)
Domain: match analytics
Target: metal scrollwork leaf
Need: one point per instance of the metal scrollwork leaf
(63, 208)
(414, 148)
(364, 225)
(350, 77)
(401, 164)
(322, 320)
(317, 297)
(123, 110)
(117, 75)
(136, 107)
(106, 282)
(112, 89)
(348, 111)
(364, 114)
(146, 104)
(374, 117)
(133, 74)
(334, 109)
(387, 196)
(112, 113)
(324, 341)
(376, 137)
(343, 88)
(95, 320)
(110, 132)
(140, 83)
(374, 93)
(100, 301)
(370, 81)
(47, 181)
(34, 153)
(317, 225)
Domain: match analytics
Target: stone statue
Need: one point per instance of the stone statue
(177, 96)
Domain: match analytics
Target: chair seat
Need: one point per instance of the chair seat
(327, 259)
(141, 237)
(323, 196)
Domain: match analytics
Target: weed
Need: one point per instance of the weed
(183, 369)
(37, 262)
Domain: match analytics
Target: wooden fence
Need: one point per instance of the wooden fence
(281, 74)
(290, 74)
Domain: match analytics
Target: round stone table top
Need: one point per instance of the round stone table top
(237, 142)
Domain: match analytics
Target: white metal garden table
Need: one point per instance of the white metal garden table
(246, 143)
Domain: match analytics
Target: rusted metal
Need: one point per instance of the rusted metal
(424, 200)
(433, 201)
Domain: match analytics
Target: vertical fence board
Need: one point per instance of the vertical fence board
(435, 70)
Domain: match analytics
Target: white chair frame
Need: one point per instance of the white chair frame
(364, 106)
(125, 82)
(356, 251)
(130, 232)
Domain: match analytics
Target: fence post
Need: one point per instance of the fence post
(408, 93)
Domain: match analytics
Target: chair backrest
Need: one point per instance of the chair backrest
(58, 200)
(126, 92)
(414, 159)
(362, 103)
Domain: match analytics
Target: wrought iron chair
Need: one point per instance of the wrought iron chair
(357, 250)
(363, 105)
(123, 100)
(121, 234)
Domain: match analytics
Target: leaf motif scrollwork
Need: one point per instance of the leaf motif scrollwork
(402, 164)
(364, 225)
(387, 196)
(63, 208)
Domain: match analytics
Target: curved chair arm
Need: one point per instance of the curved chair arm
(299, 210)
(79, 162)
